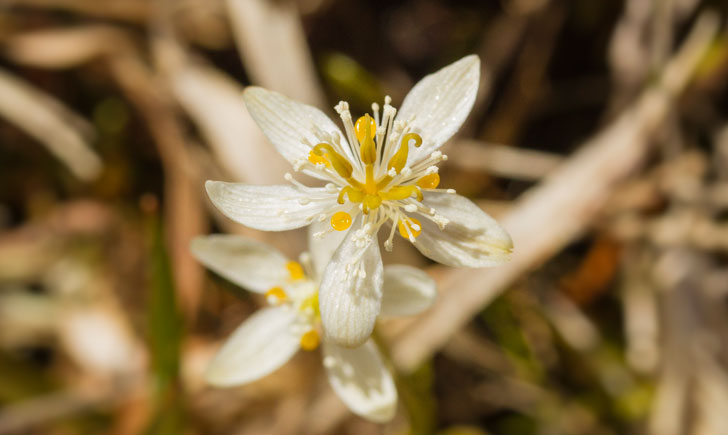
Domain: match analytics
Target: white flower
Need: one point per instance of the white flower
(382, 171)
(269, 338)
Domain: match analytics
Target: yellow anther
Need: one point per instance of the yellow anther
(402, 192)
(411, 224)
(341, 166)
(354, 195)
(383, 182)
(316, 159)
(429, 181)
(277, 294)
(340, 221)
(310, 340)
(311, 303)
(295, 270)
(365, 130)
(400, 157)
(360, 127)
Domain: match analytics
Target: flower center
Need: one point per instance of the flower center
(369, 173)
(373, 190)
(303, 297)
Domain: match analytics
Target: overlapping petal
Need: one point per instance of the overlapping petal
(268, 208)
(258, 347)
(291, 126)
(351, 291)
(360, 379)
(407, 291)
(471, 238)
(323, 248)
(439, 104)
(247, 263)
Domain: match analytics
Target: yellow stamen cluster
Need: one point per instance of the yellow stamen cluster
(371, 192)
(276, 295)
(310, 340)
(295, 270)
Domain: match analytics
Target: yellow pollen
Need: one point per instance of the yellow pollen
(295, 270)
(360, 127)
(316, 159)
(340, 164)
(340, 221)
(399, 159)
(409, 224)
(310, 340)
(311, 304)
(429, 181)
(276, 293)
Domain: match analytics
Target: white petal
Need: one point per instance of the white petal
(471, 238)
(250, 264)
(267, 208)
(351, 292)
(407, 291)
(440, 102)
(323, 248)
(289, 124)
(361, 380)
(259, 346)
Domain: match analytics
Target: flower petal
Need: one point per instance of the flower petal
(250, 264)
(323, 248)
(360, 379)
(439, 103)
(291, 126)
(259, 346)
(268, 208)
(407, 291)
(471, 238)
(351, 291)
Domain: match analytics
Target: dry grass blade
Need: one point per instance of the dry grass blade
(128, 10)
(183, 212)
(214, 102)
(273, 46)
(46, 119)
(561, 207)
(64, 48)
(503, 160)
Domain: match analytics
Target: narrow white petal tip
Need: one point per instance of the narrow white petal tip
(351, 292)
(266, 208)
(407, 291)
(247, 263)
(360, 378)
(469, 61)
(257, 348)
(355, 336)
(471, 238)
(382, 414)
(439, 103)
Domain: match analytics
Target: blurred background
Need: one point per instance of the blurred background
(599, 139)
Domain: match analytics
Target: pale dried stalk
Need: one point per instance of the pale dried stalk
(214, 101)
(184, 218)
(503, 160)
(273, 46)
(66, 47)
(128, 10)
(561, 208)
(51, 123)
